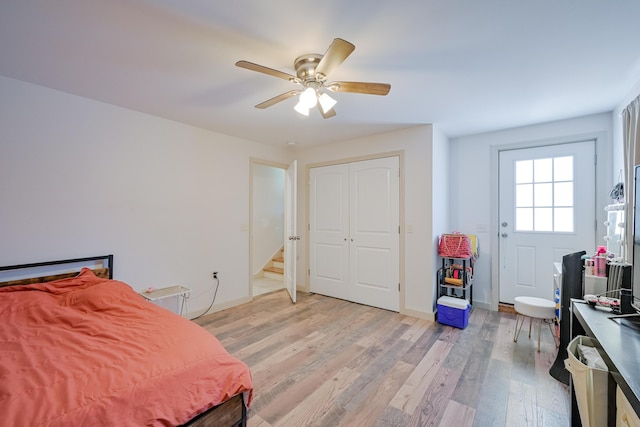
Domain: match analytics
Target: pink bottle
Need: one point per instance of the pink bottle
(600, 260)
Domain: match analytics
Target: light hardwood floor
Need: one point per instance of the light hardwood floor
(328, 362)
(264, 285)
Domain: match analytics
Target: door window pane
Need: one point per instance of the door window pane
(524, 219)
(563, 194)
(563, 168)
(543, 170)
(544, 195)
(524, 195)
(563, 219)
(543, 219)
(524, 171)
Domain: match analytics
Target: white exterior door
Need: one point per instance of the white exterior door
(547, 210)
(354, 232)
(291, 235)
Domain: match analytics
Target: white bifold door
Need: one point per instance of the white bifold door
(355, 232)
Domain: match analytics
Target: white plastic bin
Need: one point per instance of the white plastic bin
(591, 385)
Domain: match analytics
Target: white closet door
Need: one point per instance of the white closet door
(329, 231)
(374, 233)
(354, 237)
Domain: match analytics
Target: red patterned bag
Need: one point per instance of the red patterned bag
(456, 245)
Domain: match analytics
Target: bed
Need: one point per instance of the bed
(80, 348)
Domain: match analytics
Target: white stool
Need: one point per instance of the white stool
(534, 308)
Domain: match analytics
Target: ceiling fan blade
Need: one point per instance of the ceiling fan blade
(266, 70)
(338, 51)
(360, 87)
(276, 99)
(328, 114)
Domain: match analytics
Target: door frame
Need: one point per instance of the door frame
(401, 213)
(252, 162)
(603, 178)
(290, 235)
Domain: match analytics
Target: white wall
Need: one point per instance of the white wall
(268, 214)
(441, 167)
(472, 194)
(83, 178)
(417, 174)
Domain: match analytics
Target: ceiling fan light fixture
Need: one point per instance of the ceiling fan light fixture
(326, 102)
(301, 108)
(309, 97)
(312, 73)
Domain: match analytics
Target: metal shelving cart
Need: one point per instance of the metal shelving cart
(455, 278)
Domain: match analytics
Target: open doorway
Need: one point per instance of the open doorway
(267, 227)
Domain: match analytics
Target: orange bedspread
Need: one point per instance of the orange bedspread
(87, 351)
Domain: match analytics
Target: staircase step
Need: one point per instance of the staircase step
(278, 259)
(274, 276)
(274, 270)
(277, 264)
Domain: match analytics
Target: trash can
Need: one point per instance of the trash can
(591, 384)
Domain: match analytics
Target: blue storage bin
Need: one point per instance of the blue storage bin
(453, 311)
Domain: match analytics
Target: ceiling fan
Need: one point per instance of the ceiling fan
(312, 71)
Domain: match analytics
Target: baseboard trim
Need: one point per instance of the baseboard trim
(222, 306)
(419, 314)
(482, 305)
(303, 287)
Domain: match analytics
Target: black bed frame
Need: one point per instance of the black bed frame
(109, 259)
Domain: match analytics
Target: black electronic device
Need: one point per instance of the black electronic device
(626, 301)
(572, 268)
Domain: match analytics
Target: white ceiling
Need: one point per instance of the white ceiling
(467, 66)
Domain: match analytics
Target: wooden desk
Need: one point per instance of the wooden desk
(620, 342)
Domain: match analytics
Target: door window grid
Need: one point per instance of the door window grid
(544, 195)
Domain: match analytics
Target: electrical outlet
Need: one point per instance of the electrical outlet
(215, 274)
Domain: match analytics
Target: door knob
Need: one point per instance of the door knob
(504, 234)
(504, 224)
